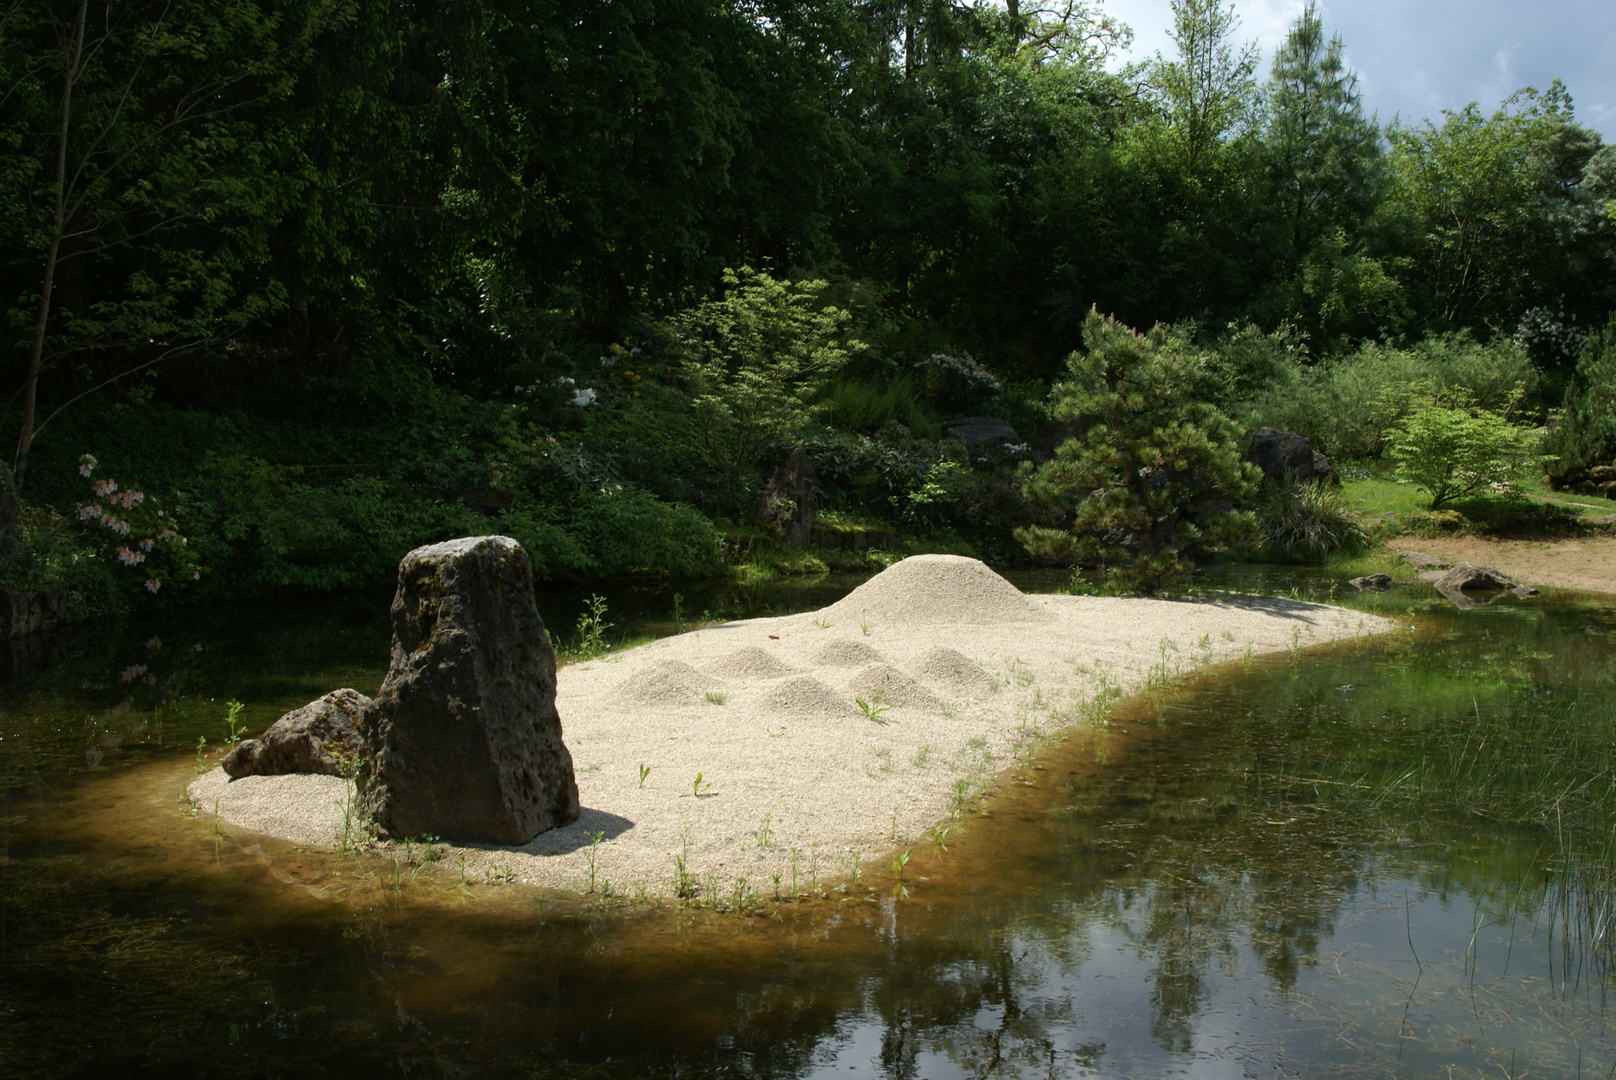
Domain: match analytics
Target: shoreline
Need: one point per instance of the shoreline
(823, 740)
(1578, 564)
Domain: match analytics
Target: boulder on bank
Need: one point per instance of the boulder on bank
(1468, 577)
(1054, 434)
(1285, 457)
(24, 612)
(463, 741)
(977, 432)
(303, 740)
(787, 504)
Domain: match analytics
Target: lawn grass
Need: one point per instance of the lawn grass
(1378, 495)
(1525, 514)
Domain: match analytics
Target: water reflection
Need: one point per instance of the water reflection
(1268, 874)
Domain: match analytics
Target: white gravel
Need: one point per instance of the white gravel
(961, 674)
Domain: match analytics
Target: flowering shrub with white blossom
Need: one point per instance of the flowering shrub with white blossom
(135, 531)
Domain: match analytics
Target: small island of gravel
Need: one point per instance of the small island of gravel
(827, 732)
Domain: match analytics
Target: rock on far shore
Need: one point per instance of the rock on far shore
(463, 741)
(1285, 457)
(1468, 576)
(1422, 562)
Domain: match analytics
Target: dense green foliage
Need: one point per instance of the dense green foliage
(1585, 432)
(329, 278)
(754, 360)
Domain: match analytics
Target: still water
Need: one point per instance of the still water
(1379, 860)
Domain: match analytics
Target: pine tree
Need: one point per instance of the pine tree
(1157, 474)
(1324, 155)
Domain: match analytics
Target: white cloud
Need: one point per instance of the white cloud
(1418, 57)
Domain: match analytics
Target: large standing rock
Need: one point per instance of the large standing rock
(1285, 457)
(302, 741)
(462, 741)
(787, 503)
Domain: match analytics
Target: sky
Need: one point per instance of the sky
(1415, 58)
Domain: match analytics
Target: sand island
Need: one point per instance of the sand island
(855, 728)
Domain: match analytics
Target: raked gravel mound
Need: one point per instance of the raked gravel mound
(957, 669)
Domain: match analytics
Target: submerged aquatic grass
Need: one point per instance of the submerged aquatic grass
(1438, 797)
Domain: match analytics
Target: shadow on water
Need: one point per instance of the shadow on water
(1378, 859)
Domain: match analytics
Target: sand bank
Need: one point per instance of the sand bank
(1586, 564)
(960, 677)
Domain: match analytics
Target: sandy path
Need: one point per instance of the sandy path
(961, 675)
(1587, 564)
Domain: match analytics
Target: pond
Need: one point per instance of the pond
(1383, 859)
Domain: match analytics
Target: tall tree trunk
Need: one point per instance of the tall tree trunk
(70, 72)
(909, 38)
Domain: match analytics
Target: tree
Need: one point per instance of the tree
(1156, 475)
(1480, 197)
(1069, 32)
(1209, 92)
(1450, 451)
(132, 121)
(1323, 154)
(754, 360)
(1584, 434)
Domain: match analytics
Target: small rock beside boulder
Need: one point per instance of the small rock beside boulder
(1374, 582)
(304, 739)
(1285, 457)
(463, 741)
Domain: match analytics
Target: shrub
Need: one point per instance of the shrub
(1346, 405)
(1453, 451)
(130, 528)
(754, 359)
(286, 532)
(956, 383)
(55, 554)
(1309, 522)
(1156, 474)
(626, 532)
(1246, 364)
(1515, 517)
(551, 549)
(854, 405)
(873, 476)
(1431, 523)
